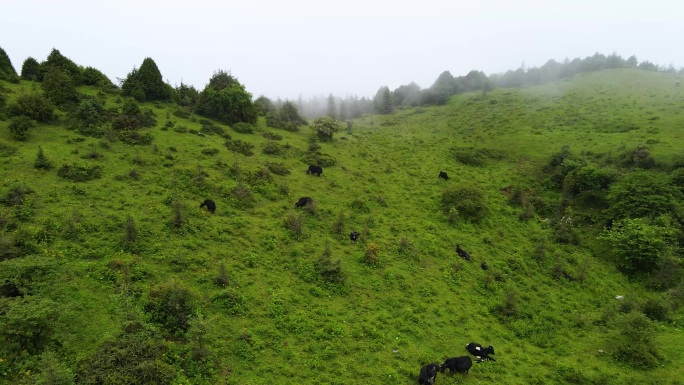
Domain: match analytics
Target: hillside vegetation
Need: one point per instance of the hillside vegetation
(111, 273)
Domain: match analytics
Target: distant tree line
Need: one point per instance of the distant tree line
(446, 85)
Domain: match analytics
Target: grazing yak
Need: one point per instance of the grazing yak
(211, 206)
(428, 373)
(462, 253)
(313, 169)
(484, 266)
(354, 235)
(482, 354)
(457, 364)
(443, 175)
(303, 201)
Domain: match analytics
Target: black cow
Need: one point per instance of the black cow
(313, 169)
(462, 253)
(443, 175)
(211, 206)
(457, 364)
(428, 374)
(481, 353)
(484, 266)
(303, 201)
(354, 235)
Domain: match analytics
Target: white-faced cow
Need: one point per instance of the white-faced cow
(481, 353)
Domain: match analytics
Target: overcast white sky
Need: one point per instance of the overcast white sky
(287, 48)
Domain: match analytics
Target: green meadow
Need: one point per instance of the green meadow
(123, 278)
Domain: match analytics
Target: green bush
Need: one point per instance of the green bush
(278, 168)
(271, 148)
(644, 194)
(35, 106)
(137, 355)
(272, 136)
(172, 305)
(28, 324)
(136, 138)
(41, 160)
(639, 244)
(635, 345)
(468, 201)
(240, 146)
(89, 116)
(78, 173)
(20, 125)
(243, 128)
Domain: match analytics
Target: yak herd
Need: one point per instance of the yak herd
(428, 372)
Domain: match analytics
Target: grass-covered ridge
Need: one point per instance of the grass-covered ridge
(127, 265)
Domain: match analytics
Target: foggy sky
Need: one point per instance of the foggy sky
(287, 49)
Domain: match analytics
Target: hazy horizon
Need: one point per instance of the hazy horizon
(306, 48)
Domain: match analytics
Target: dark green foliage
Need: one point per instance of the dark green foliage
(16, 195)
(639, 244)
(467, 201)
(53, 371)
(644, 194)
(636, 344)
(186, 97)
(28, 324)
(132, 117)
(20, 125)
(211, 128)
(323, 160)
(222, 279)
(210, 151)
(264, 106)
(33, 105)
(286, 118)
(41, 160)
(30, 70)
(330, 270)
(640, 157)
(272, 136)
(7, 71)
(589, 182)
(271, 148)
(76, 173)
(172, 305)
(243, 128)
(146, 83)
(136, 138)
(135, 356)
(295, 224)
(178, 217)
(89, 116)
(130, 231)
(677, 178)
(94, 77)
(56, 60)
(371, 256)
(226, 100)
(240, 147)
(59, 87)
(325, 127)
(278, 168)
(382, 102)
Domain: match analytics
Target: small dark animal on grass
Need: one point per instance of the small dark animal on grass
(443, 175)
(482, 354)
(211, 206)
(484, 266)
(313, 169)
(462, 253)
(457, 364)
(303, 201)
(428, 373)
(354, 235)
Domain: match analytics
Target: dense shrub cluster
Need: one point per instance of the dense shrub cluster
(466, 201)
(240, 147)
(78, 173)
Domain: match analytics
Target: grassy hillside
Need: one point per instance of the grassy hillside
(129, 258)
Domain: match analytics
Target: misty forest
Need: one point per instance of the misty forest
(162, 234)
